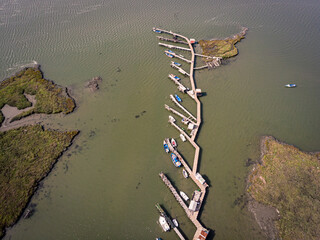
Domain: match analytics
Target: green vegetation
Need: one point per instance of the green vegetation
(222, 48)
(289, 180)
(27, 154)
(50, 98)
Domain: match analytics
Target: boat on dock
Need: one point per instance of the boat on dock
(173, 143)
(291, 85)
(170, 51)
(174, 77)
(156, 30)
(178, 98)
(184, 196)
(175, 160)
(163, 223)
(183, 138)
(158, 238)
(185, 173)
(175, 222)
(166, 147)
(169, 55)
(175, 63)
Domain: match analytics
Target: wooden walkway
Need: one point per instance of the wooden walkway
(178, 56)
(201, 232)
(171, 40)
(182, 107)
(170, 109)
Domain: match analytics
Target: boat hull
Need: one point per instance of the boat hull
(175, 160)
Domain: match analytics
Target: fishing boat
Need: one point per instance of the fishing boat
(156, 30)
(165, 146)
(178, 98)
(185, 173)
(175, 160)
(184, 196)
(163, 223)
(169, 55)
(173, 142)
(291, 85)
(183, 138)
(175, 222)
(175, 63)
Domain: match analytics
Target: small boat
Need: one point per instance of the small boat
(178, 98)
(158, 238)
(171, 119)
(169, 51)
(165, 146)
(175, 222)
(156, 30)
(175, 63)
(175, 160)
(163, 223)
(291, 85)
(184, 196)
(185, 173)
(173, 143)
(183, 138)
(169, 55)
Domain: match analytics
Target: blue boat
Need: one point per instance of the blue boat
(177, 78)
(177, 64)
(175, 160)
(291, 85)
(156, 30)
(169, 55)
(169, 51)
(178, 98)
(165, 146)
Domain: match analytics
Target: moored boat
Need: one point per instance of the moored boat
(184, 196)
(171, 119)
(163, 223)
(169, 51)
(291, 85)
(175, 63)
(175, 222)
(165, 146)
(175, 160)
(183, 138)
(174, 77)
(173, 142)
(156, 30)
(169, 55)
(178, 98)
(185, 173)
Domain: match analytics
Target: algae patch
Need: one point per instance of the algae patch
(289, 180)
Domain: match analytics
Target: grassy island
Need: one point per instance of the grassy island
(50, 98)
(224, 48)
(27, 154)
(289, 180)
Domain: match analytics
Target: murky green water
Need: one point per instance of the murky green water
(106, 186)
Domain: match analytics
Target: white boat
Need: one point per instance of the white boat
(171, 119)
(185, 173)
(165, 226)
(291, 85)
(183, 138)
(173, 142)
(175, 222)
(184, 196)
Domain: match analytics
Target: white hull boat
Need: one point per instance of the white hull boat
(184, 196)
(165, 226)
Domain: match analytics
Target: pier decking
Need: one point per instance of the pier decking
(171, 40)
(178, 56)
(196, 203)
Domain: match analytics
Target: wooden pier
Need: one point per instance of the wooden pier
(178, 56)
(179, 114)
(179, 69)
(182, 88)
(194, 208)
(171, 40)
(173, 47)
(182, 107)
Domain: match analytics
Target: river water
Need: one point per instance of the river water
(106, 185)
